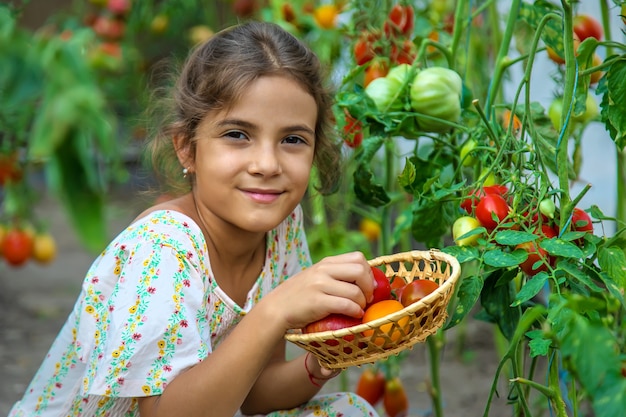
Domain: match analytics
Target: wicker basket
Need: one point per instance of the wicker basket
(339, 349)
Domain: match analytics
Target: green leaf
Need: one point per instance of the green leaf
(462, 253)
(496, 300)
(499, 259)
(575, 273)
(367, 190)
(560, 247)
(84, 205)
(431, 220)
(531, 288)
(514, 237)
(538, 345)
(612, 261)
(613, 104)
(467, 295)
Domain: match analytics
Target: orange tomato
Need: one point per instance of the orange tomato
(326, 16)
(381, 309)
(595, 76)
(506, 120)
(377, 69)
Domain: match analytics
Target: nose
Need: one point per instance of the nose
(265, 160)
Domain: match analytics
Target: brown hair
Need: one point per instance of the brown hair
(215, 75)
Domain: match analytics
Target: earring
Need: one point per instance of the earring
(185, 172)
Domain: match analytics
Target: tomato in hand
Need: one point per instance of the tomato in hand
(17, 247)
(416, 290)
(331, 322)
(381, 309)
(491, 210)
(383, 286)
(586, 26)
(371, 385)
(395, 400)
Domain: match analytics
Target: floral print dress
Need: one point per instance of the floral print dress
(149, 308)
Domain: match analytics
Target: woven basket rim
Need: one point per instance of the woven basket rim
(410, 256)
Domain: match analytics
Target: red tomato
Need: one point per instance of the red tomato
(489, 206)
(581, 222)
(535, 254)
(352, 132)
(363, 52)
(17, 247)
(416, 290)
(377, 69)
(383, 288)
(586, 26)
(371, 385)
(400, 21)
(469, 204)
(9, 168)
(331, 322)
(405, 54)
(395, 400)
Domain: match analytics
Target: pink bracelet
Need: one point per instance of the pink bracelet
(312, 377)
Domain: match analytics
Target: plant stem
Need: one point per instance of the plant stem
(435, 343)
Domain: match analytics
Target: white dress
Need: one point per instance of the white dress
(149, 308)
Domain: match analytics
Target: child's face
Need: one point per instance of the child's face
(253, 161)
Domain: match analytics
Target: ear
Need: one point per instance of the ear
(184, 151)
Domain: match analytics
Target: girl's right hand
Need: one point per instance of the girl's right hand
(341, 284)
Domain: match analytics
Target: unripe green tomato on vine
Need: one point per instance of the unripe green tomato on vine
(463, 225)
(383, 92)
(556, 110)
(436, 92)
(467, 158)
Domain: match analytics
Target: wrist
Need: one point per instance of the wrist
(316, 378)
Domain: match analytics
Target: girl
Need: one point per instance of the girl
(184, 313)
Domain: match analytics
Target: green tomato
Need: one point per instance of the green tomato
(556, 110)
(436, 92)
(461, 227)
(399, 73)
(383, 91)
(547, 208)
(467, 149)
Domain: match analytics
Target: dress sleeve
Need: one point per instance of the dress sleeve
(296, 247)
(143, 316)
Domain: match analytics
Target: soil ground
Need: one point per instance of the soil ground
(35, 300)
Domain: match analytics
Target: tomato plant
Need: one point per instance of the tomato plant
(491, 210)
(416, 290)
(371, 385)
(395, 400)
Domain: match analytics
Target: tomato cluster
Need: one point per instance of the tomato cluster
(373, 386)
(108, 22)
(391, 43)
(487, 210)
(390, 295)
(18, 245)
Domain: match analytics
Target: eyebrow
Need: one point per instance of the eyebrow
(247, 125)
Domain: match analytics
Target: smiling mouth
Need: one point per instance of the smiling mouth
(263, 196)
